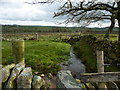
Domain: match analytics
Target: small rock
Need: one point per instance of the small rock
(50, 75)
(36, 72)
(42, 75)
(78, 81)
(37, 82)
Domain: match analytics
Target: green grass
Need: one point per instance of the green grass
(42, 56)
(84, 52)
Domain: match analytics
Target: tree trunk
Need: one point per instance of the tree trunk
(107, 35)
(119, 31)
(118, 18)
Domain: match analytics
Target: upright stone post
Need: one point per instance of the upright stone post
(36, 36)
(100, 68)
(18, 50)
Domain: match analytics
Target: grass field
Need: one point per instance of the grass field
(42, 56)
(45, 54)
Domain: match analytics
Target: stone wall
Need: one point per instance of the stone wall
(18, 77)
(111, 49)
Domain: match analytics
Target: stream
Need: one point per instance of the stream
(74, 64)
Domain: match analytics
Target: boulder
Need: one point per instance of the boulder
(5, 72)
(24, 80)
(1, 66)
(65, 80)
(15, 72)
(0, 77)
(37, 82)
(0, 80)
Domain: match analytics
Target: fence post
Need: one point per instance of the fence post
(18, 50)
(100, 61)
(100, 68)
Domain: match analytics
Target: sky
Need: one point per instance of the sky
(21, 13)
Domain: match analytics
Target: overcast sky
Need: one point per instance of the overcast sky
(19, 12)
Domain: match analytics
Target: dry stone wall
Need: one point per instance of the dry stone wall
(18, 77)
(111, 49)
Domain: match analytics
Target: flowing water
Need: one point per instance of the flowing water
(74, 64)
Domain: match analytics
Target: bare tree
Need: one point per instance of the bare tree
(90, 12)
(87, 11)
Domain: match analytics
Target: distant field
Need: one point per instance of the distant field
(18, 29)
(55, 36)
(55, 32)
(21, 29)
